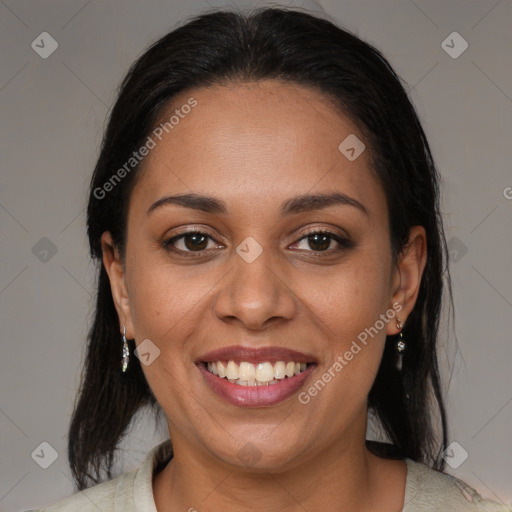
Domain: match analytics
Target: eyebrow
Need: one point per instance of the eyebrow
(298, 204)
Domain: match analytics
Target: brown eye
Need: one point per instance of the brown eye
(195, 242)
(319, 241)
(192, 241)
(322, 241)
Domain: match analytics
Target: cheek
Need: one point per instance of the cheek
(164, 299)
(356, 295)
(349, 314)
(166, 309)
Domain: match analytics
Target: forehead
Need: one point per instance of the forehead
(257, 143)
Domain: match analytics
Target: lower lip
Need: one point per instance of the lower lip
(255, 396)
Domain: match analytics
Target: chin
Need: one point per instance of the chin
(257, 455)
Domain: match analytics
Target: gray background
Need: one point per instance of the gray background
(53, 112)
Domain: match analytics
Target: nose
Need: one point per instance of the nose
(255, 293)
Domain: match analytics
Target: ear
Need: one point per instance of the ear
(407, 276)
(116, 273)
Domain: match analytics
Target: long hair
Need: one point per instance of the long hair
(301, 49)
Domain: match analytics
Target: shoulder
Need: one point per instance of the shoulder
(105, 497)
(132, 491)
(433, 491)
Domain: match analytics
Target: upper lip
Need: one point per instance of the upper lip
(239, 353)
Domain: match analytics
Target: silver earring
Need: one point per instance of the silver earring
(400, 347)
(126, 352)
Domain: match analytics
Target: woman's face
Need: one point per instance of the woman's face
(261, 171)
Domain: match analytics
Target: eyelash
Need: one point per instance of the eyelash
(344, 243)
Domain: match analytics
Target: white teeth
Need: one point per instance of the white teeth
(232, 370)
(247, 372)
(261, 374)
(212, 367)
(290, 369)
(264, 372)
(280, 370)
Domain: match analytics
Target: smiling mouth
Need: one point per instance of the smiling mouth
(259, 374)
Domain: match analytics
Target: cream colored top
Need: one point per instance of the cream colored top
(426, 490)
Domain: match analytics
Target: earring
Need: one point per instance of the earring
(126, 352)
(400, 347)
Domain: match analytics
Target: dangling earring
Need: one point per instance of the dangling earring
(400, 347)
(126, 352)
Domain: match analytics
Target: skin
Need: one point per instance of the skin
(253, 146)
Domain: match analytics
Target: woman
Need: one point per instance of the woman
(265, 211)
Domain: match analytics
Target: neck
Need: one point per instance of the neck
(341, 476)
